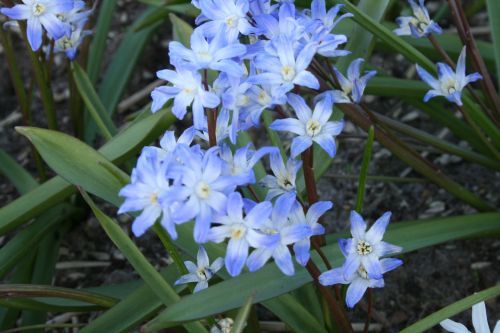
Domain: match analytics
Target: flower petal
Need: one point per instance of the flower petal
(356, 291)
(300, 144)
(454, 327)
(377, 230)
(358, 225)
(479, 318)
(283, 260)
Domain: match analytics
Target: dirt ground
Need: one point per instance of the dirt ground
(429, 280)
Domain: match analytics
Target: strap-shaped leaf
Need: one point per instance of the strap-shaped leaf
(54, 191)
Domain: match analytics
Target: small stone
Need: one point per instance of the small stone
(480, 265)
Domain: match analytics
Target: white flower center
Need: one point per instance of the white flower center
(65, 43)
(243, 100)
(153, 198)
(364, 248)
(449, 86)
(38, 9)
(204, 273)
(189, 90)
(285, 183)
(238, 231)
(362, 272)
(288, 73)
(269, 231)
(205, 56)
(264, 99)
(419, 24)
(203, 190)
(313, 127)
(232, 21)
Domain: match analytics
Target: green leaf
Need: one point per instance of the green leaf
(76, 162)
(26, 290)
(451, 310)
(142, 303)
(241, 319)
(54, 191)
(98, 46)
(26, 240)
(93, 103)
(367, 155)
(493, 10)
(117, 75)
(19, 177)
(181, 30)
(141, 265)
(269, 282)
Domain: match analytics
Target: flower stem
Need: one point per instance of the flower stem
(307, 165)
(211, 116)
(171, 249)
(370, 309)
(335, 308)
(43, 83)
(479, 132)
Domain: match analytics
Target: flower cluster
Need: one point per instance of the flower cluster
(63, 20)
(363, 267)
(244, 58)
(248, 56)
(180, 181)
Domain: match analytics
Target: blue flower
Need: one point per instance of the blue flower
(169, 143)
(311, 218)
(354, 85)
(366, 247)
(199, 190)
(261, 98)
(202, 271)
(449, 83)
(40, 13)
(283, 234)
(240, 165)
(311, 126)
(228, 16)
(320, 25)
(241, 230)
(186, 89)
(215, 54)
(148, 183)
(70, 43)
(286, 70)
(77, 17)
(419, 25)
(359, 281)
(284, 177)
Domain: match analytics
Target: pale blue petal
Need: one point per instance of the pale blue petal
(295, 233)
(372, 266)
(300, 144)
(377, 230)
(351, 265)
(235, 206)
(479, 318)
(358, 225)
(332, 277)
(427, 77)
(301, 250)
(55, 28)
(236, 256)
(356, 291)
(389, 264)
(258, 258)
(186, 279)
(461, 63)
(217, 265)
(306, 79)
(200, 286)
(18, 12)
(345, 246)
(353, 70)
(283, 260)
(202, 224)
(326, 142)
(34, 33)
(431, 94)
(453, 327)
(146, 220)
(259, 214)
(387, 248)
(317, 210)
(300, 107)
(288, 125)
(202, 257)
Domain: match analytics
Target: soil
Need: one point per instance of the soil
(430, 279)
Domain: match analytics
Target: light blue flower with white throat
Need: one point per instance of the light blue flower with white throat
(449, 83)
(202, 271)
(419, 25)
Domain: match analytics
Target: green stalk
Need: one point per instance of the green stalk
(438, 143)
(364, 169)
(170, 247)
(43, 84)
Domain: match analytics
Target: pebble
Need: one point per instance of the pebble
(480, 265)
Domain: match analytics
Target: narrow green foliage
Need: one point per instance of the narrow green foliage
(181, 30)
(241, 319)
(14, 172)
